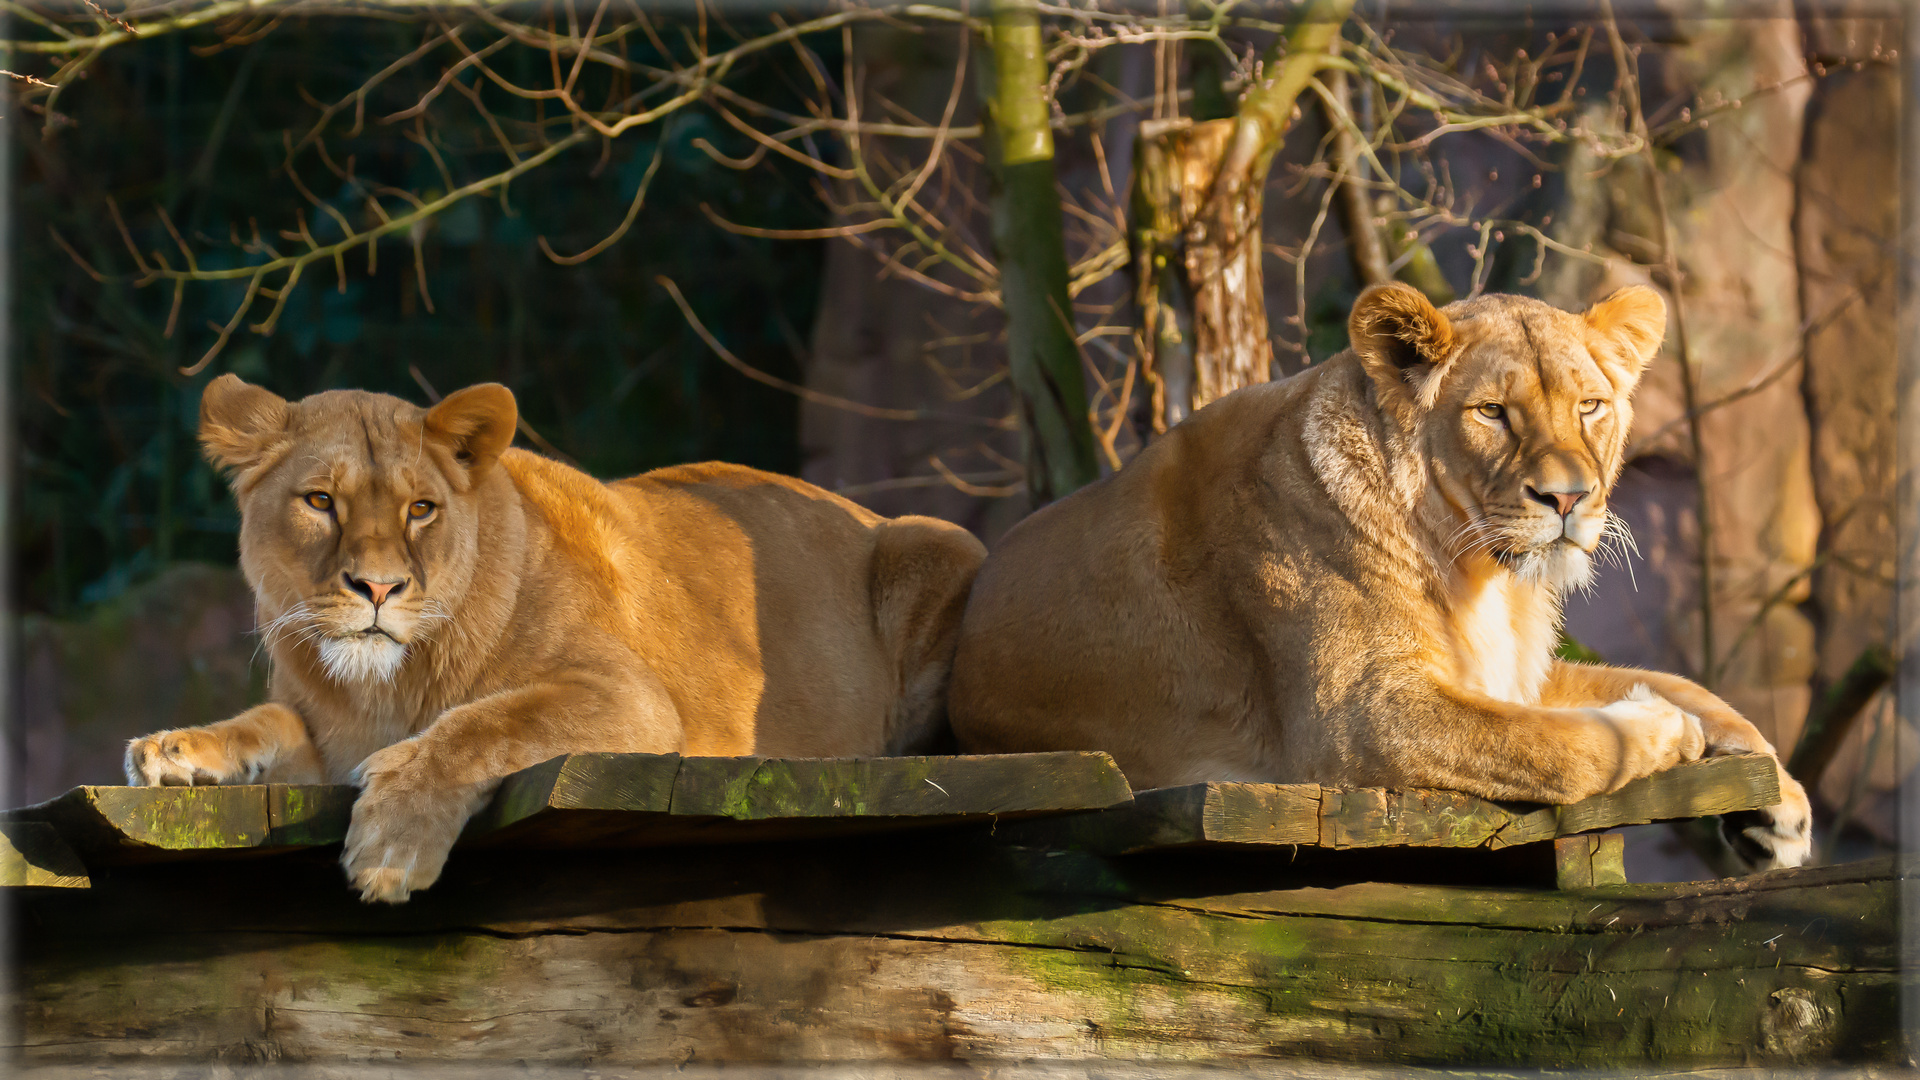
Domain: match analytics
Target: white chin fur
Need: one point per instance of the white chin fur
(362, 659)
(1559, 566)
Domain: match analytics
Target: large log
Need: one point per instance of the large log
(942, 945)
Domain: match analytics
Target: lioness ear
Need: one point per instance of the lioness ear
(475, 426)
(240, 424)
(1632, 323)
(1403, 341)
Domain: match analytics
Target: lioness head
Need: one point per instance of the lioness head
(359, 515)
(1522, 411)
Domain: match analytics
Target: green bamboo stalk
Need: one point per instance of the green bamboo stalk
(1042, 353)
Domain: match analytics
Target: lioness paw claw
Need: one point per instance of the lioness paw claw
(403, 826)
(1777, 837)
(388, 872)
(383, 885)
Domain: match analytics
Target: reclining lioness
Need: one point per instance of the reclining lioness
(1354, 577)
(442, 610)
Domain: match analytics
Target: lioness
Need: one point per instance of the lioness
(442, 610)
(1354, 577)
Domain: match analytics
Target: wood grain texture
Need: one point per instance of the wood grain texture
(943, 946)
(1309, 815)
(32, 856)
(110, 825)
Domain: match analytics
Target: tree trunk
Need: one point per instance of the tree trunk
(1369, 252)
(1197, 206)
(1043, 354)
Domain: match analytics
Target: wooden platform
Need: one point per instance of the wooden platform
(1220, 815)
(630, 800)
(602, 800)
(924, 910)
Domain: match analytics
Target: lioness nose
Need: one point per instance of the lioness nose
(376, 591)
(1562, 501)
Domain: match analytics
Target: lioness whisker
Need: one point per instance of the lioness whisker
(1617, 539)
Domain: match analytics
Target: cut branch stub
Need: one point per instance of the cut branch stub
(1174, 166)
(1198, 201)
(1198, 274)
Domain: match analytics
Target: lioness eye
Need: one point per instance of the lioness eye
(420, 509)
(1589, 406)
(1491, 411)
(319, 500)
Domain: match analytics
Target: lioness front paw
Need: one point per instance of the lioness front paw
(1654, 734)
(403, 826)
(1778, 836)
(184, 758)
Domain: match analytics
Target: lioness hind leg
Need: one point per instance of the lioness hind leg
(920, 575)
(265, 744)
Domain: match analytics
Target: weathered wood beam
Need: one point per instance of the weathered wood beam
(586, 800)
(107, 825)
(33, 856)
(632, 799)
(1308, 815)
(1590, 859)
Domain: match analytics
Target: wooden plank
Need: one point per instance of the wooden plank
(1379, 817)
(590, 800)
(308, 815)
(580, 800)
(586, 800)
(741, 799)
(1263, 813)
(987, 785)
(1308, 815)
(110, 824)
(33, 856)
(1719, 785)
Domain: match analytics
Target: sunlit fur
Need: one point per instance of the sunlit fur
(1355, 577)
(440, 611)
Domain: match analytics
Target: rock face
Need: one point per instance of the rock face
(1848, 219)
(174, 651)
(1729, 197)
(1782, 211)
